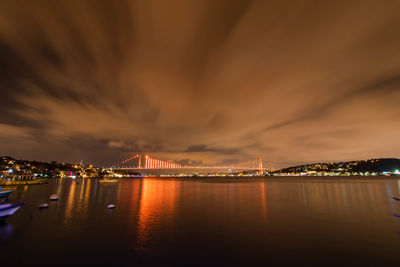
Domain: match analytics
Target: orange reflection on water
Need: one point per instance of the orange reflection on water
(328, 196)
(70, 203)
(263, 200)
(158, 202)
(129, 192)
(86, 185)
(60, 186)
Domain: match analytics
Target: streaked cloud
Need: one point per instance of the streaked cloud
(200, 81)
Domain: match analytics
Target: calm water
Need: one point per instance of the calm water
(234, 221)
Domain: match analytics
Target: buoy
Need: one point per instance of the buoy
(53, 197)
(43, 206)
(111, 206)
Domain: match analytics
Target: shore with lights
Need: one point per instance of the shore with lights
(25, 172)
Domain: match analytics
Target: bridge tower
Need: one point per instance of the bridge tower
(260, 165)
(140, 161)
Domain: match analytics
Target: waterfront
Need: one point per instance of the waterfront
(208, 221)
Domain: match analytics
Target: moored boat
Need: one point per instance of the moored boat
(53, 197)
(6, 210)
(43, 206)
(5, 193)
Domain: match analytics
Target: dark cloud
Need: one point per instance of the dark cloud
(205, 148)
(199, 81)
(186, 162)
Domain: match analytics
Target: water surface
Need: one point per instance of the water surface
(213, 221)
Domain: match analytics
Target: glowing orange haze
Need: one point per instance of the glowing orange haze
(199, 81)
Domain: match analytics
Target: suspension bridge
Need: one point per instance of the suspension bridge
(146, 162)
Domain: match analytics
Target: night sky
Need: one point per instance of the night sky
(200, 81)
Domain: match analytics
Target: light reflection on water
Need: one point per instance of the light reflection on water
(218, 221)
(157, 209)
(6, 232)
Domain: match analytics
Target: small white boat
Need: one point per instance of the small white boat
(43, 206)
(111, 206)
(53, 197)
(6, 210)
